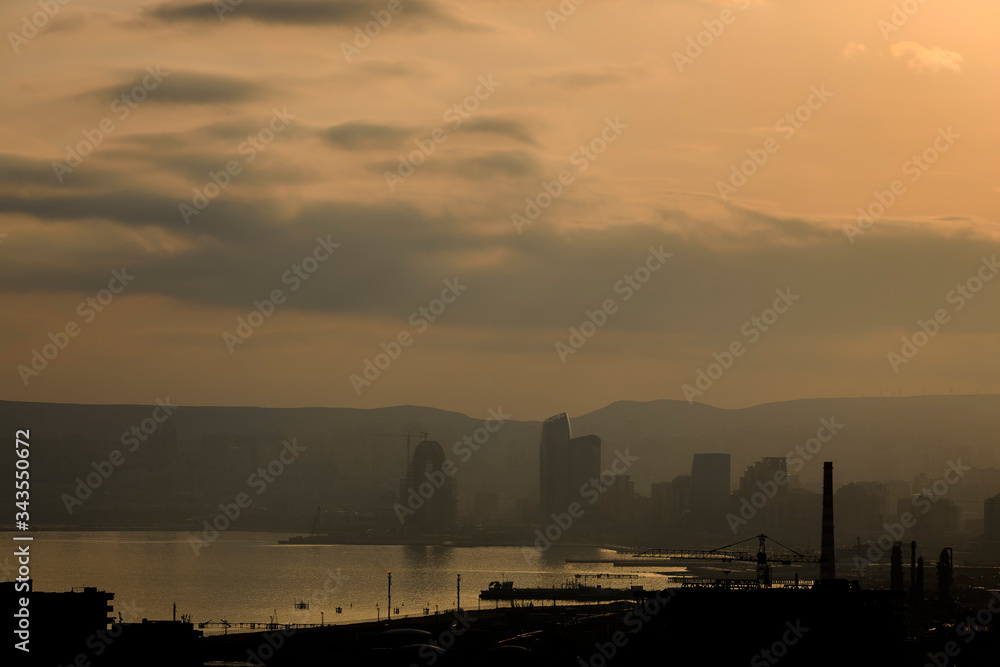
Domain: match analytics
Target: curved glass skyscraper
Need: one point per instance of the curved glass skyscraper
(565, 464)
(554, 465)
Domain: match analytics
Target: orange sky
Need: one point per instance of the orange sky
(741, 137)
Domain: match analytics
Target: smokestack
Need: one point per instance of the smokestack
(896, 568)
(827, 567)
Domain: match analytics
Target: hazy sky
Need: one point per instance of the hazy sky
(741, 137)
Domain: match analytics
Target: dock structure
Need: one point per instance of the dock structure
(574, 591)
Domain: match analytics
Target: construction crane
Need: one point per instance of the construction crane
(760, 557)
(407, 435)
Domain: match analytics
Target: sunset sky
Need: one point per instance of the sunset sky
(652, 113)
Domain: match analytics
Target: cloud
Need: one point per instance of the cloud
(301, 13)
(19, 171)
(390, 68)
(292, 12)
(185, 88)
(225, 217)
(362, 135)
(923, 59)
(394, 255)
(497, 163)
(587, 77)
(505, 127)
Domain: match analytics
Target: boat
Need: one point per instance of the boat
(571, 590)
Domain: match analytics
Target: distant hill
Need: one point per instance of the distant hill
(881, 438)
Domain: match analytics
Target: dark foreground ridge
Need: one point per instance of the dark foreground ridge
(832, 622)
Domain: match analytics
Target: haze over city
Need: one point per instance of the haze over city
(839, 111)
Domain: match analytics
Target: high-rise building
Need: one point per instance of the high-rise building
(565, 464)
(710, 486)
(764, 485)
(554, 465)
(768, 469)
(992, 519)
(427, 480)
(584, 455)
(680, 499)
(859, 508)
(710, 481)
(936, 517)
(660, 503)
(618, 501)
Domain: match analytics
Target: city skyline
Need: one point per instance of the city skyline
(257, 207)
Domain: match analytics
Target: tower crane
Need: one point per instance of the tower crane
(761, 557)
(408, 436)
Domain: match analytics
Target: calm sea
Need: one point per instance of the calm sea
(248, 577)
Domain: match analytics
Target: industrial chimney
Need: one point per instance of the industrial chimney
(827, 558)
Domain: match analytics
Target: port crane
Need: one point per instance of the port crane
(761, 557)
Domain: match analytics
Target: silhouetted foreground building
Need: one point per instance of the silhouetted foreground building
(832, 623)
(77, 628)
